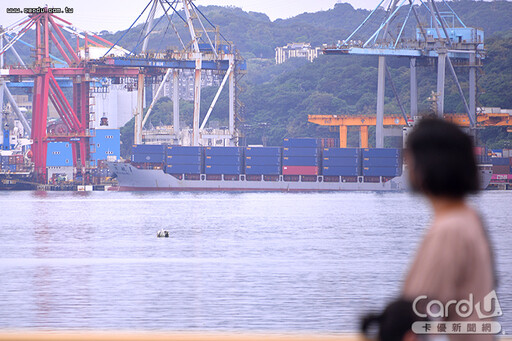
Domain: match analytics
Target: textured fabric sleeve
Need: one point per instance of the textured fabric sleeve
(439, 265)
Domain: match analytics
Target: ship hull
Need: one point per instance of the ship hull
(131, 178)
(16, 182)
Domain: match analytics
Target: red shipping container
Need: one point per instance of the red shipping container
(501, 169)
(300, 170)
(479, 150)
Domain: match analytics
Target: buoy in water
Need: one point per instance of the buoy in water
(162, 234)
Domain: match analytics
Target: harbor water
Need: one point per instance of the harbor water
(234, 261)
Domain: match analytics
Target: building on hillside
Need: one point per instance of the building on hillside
(296, 50)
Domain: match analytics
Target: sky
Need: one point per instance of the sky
(114, 15)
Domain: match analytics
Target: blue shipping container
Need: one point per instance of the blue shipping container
(262, 160)
(223, 160)
(341, 171)
(184, 150)
(151, 158)
(500, 161)
(341, 161)
(302, 143)
(300, 161)
(380, 152)
(263, 151)
(382, 171)
(184, 159)
(107, 142)
(59, 154)
(183, 169)
(341, 152)
(222, 151)
(263, 170)
(223, 169)
(300, 151)
(381, 162)
(148, 149)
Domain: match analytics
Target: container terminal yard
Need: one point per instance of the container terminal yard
(80, 151)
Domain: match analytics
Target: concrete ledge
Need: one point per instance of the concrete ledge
(157, 336)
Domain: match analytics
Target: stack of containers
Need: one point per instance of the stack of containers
(301, 156)
(262, 160)
(102, 171)
(330, 142)
(341, 162)
(382, 162)
(481, 155)
(12, 163)
(501, 165)
(223, 160)
(4, 160)
(148, 155)
(19, 160)
(184, 160)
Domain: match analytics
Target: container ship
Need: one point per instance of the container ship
(301, 164)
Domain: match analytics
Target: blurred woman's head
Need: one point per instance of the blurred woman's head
(441, 161)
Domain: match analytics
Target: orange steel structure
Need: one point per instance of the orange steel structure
(364, 121)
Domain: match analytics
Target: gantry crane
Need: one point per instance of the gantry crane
(343, 122)
(448, 44)
(205, 50)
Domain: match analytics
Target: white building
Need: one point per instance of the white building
(296, 50)
(116, 103)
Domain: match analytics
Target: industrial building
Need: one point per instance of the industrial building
(296, 50)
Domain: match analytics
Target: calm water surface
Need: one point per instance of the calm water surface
(249, 261)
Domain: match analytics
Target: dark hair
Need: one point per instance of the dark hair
(443, 163)
(393, 323)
